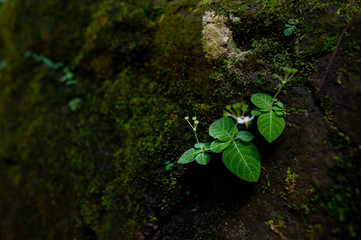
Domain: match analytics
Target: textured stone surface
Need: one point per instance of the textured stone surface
(217, 38)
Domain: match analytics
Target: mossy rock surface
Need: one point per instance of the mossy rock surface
(100, 169)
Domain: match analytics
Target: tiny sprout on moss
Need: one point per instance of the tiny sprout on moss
(290, 27)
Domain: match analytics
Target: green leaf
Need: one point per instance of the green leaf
(67, 76)
(218, 146)
(245, 136)
(203, 158)
(292, 21)
(222, 129)
(71, 82)
(277, 108)
(205, 146)
(270, 125)
(262, 100)
(280, 104)
(243, 160)
(279, 113)
(288, 31)
(74, 104)
(256, 112)
(189, 156)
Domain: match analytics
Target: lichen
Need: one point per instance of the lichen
(217, 38)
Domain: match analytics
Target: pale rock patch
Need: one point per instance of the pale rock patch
(217, 38)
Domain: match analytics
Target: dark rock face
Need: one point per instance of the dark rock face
(103, 169)
(341, 86)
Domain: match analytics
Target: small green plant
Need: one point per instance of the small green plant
(290, 27)
(240, 156)
(168, 165)
(74, 104)
(45, 60)
(67, 77)
(330, 44)
(270, 122)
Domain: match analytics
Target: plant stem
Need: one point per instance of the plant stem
(190, 124)
(279, 89)
(284, 81)
(195, 134)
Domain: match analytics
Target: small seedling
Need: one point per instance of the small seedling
(74, 104)
(168, 165)
(67, 77)
(290, 27)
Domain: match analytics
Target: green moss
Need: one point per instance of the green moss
(98, 172)
(342, 200)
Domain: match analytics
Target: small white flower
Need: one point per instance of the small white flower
(244, 119)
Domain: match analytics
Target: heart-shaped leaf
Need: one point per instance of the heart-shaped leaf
(288, 31)
(262, 100)
(245, 136)
(189, 156)
(243, 160)
(203, 158)
(270, 125)
(218, 146)
(222, 129)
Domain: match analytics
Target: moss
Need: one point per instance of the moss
(99, 172)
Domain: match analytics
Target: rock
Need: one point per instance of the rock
(217, 38)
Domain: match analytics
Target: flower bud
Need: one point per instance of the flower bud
(286, 69)
(236, 106)
(244, 108)
(196, 122)
(194, 118)
(186, 118)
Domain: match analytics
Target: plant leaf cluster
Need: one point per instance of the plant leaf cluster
(270, 122)
(239, 155)
(290, 27)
